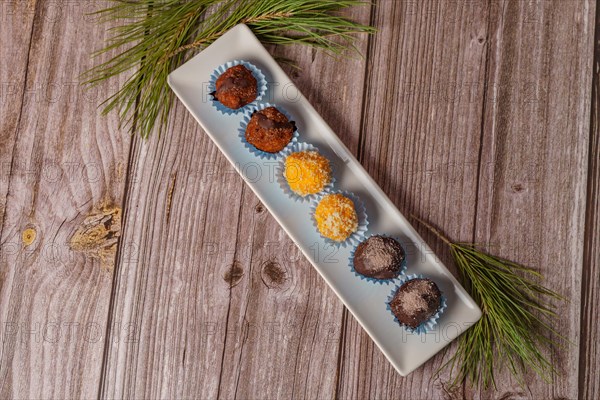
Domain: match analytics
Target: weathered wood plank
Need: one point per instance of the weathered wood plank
(280, 325)
(15, 39)
(222, 303)
(63, 167)
(420, 140)
(589, 350)
(531, 201)
(169, 285)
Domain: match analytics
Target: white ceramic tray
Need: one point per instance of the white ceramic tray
(365, 300)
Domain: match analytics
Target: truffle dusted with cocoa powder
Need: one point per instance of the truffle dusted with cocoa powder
(379, 257)
(269, 130)
(416, 301)
(236, 87)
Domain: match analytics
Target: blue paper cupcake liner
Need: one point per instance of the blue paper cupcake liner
(259, 153)
(261, 86)
(355, 238)
(280, 170)
(426, 325)
(403, 266)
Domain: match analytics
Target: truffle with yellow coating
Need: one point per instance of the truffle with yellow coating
(307, 172)
(336, 217)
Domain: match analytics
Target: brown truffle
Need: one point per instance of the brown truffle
(269, 130)
(379, 257)
(236, 87)
(416, 301)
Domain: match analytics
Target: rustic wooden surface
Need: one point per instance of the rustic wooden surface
(133, 269)
(62, 179)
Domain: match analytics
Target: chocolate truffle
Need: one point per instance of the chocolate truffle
(336, 217)
(307, 172)
(379, 257)
(416, 301)
(236, 87)
(269, 130)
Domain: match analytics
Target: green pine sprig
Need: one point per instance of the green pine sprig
(154, 37)
(515, 329)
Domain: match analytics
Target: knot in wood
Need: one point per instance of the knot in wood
(29, 236)
(259, 208)
(273, 275)
(98, 235)
(234, 273)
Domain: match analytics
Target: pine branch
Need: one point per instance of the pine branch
(155, 36)
(516, 326)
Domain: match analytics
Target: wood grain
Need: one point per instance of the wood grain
(62, 157)
(15, 39)
(169, 287)
(533, 169)
(589, 350)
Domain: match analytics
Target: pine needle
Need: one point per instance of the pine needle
(516, 326)
(156, 36)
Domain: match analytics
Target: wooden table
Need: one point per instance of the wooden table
(147, 269)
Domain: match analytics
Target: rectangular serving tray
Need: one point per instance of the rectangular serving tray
(365, 300)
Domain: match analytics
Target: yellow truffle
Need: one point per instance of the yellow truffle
(307, 172)
(336, 217)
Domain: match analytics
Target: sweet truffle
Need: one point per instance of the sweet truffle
(307, 172)
(236, 87)
(379, 257)
(336, 217)
(269, 130)
(416, 301)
